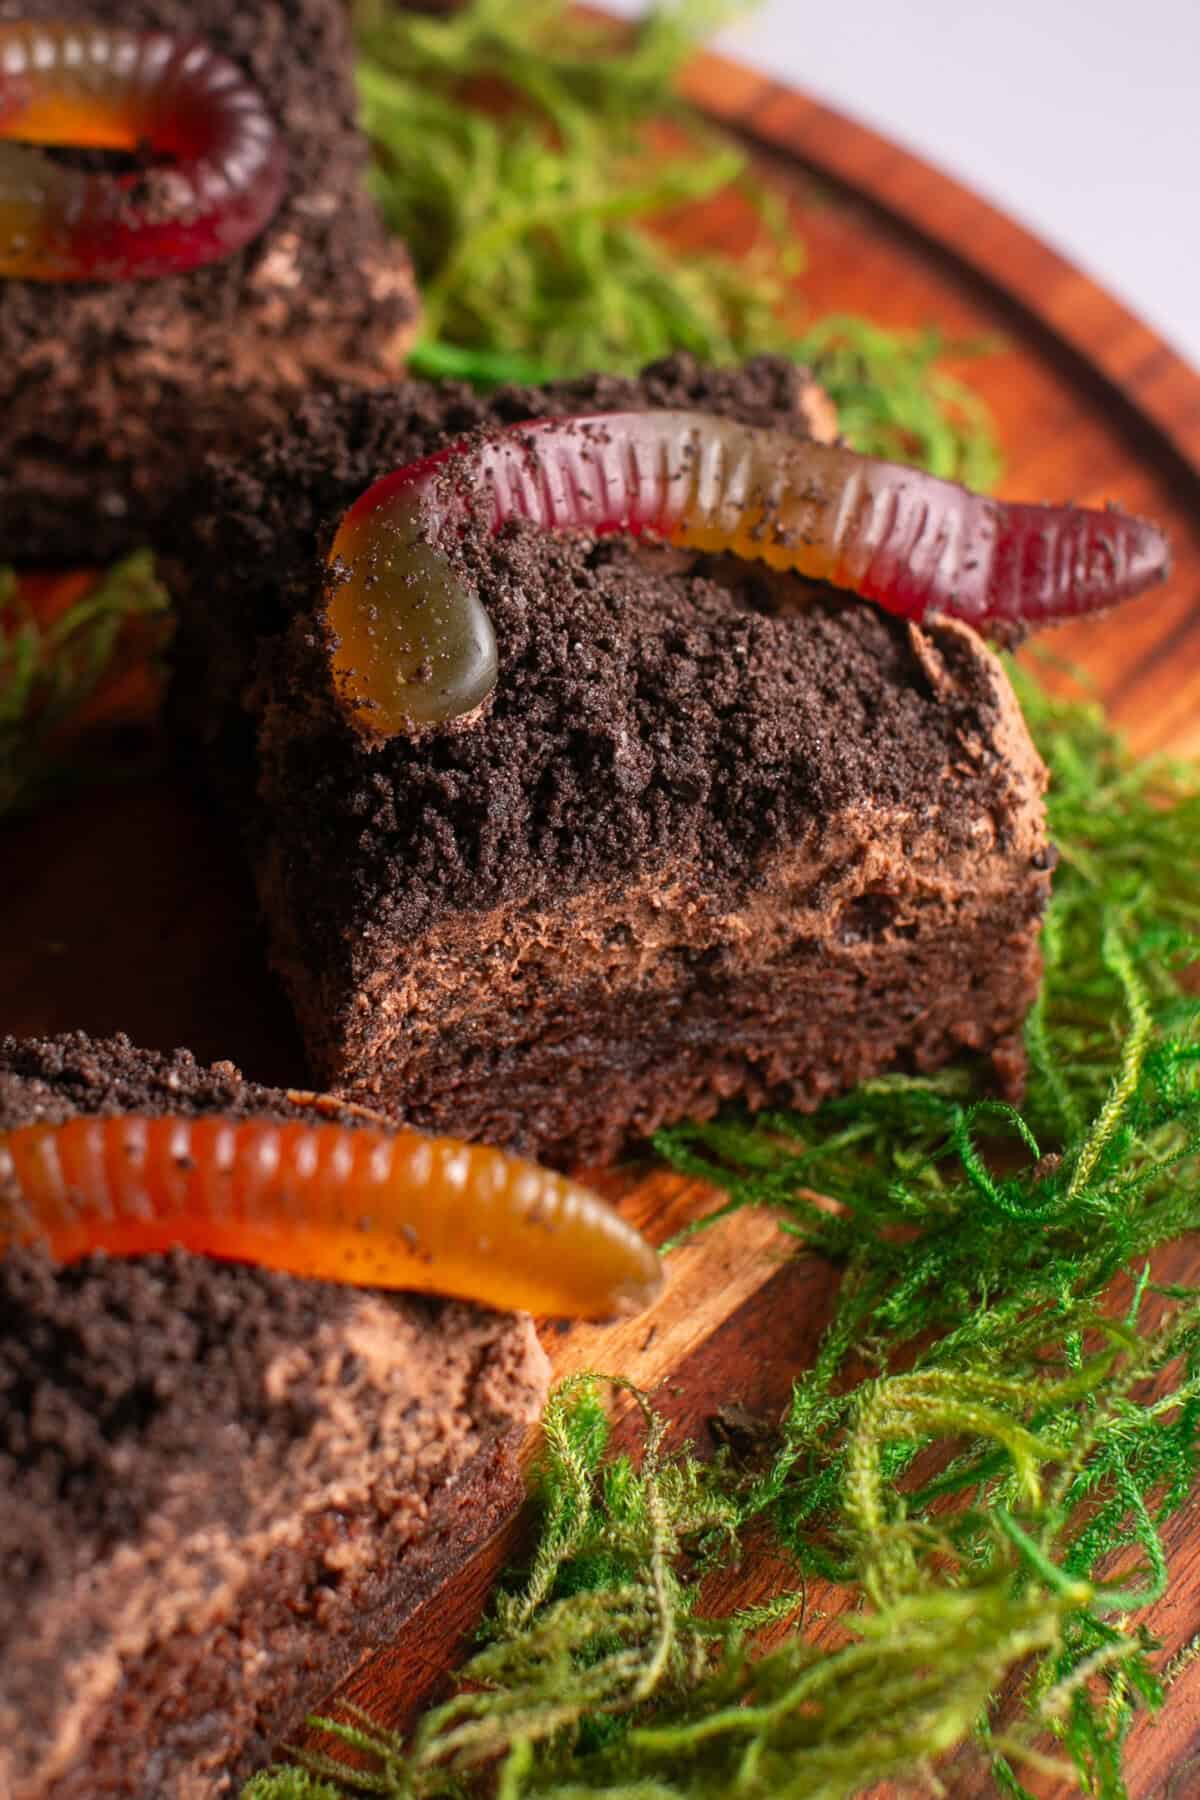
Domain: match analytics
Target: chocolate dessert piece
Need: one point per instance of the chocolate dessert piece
(112, 392)
(716, 833)
(217, 1485)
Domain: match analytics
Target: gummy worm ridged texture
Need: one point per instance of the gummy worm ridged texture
(411, 640)
(379, 1209)
(103, 88)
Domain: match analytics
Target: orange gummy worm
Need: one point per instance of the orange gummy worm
(393, 1209)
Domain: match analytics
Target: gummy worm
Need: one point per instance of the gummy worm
(95, 87)
(412, 644)
(392, 1209)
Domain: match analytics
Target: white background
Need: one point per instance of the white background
(1081, 118)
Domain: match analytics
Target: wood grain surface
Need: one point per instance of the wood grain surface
(127, 908)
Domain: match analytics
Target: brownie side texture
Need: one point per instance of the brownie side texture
(113, 392)
(715, 833)
(218, 1485)
(773, 857)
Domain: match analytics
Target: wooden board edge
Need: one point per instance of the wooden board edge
(1077, 311)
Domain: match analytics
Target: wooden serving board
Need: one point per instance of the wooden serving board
(127, 908)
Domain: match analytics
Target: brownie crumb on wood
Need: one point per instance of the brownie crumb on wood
(218, 1485)
(46, 1081)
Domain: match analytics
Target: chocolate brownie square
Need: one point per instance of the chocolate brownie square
(716, 833)
(218, 1485)
(113, 392)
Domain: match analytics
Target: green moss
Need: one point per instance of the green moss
(1003, 1411)
(531, 222)
(49, 672)
(1000, 1418)
(288, 1784)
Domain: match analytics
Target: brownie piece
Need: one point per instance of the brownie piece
(113, 392)
(218, 1485)
(716, 833)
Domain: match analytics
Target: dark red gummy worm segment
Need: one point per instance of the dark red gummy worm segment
(393, 1209)
(215, 162)
(412, 643)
